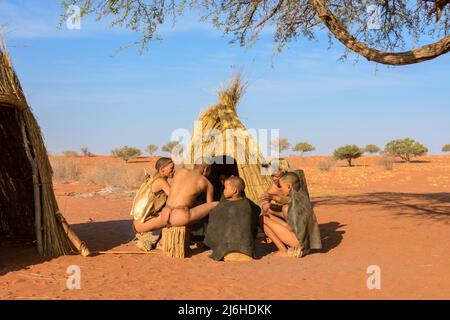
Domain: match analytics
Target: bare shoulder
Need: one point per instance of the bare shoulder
(181, 172)
(157, 184)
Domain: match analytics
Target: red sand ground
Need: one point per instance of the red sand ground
(398, 220)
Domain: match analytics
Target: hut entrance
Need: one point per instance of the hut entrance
(16, 184)
(222, 168)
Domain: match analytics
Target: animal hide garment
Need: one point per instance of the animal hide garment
(232, 227)
(303, 221)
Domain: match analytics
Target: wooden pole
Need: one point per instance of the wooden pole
(36, 188)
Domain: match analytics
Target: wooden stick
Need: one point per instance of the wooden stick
(79, 245)
(123, 252)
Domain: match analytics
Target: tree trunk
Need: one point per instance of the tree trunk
(350, 162)
(421, 54)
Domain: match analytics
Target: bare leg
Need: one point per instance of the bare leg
(283, 233)
(272, 235)
(182, 217)
(279, 220)
(150, 225)
(199, 212)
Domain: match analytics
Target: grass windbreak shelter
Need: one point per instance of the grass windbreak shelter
(219, 134)
(28, 207)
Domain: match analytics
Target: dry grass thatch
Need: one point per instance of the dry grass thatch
(218, 119)
(28, 207)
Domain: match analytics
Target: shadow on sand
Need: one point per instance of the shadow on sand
(432, 206)
(104, 235)
(330, 234)
(18, 255)
(107, 235)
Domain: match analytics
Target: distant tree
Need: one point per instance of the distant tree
(303, 147)
(405, 149)
(126, 153)
(446, 148)
(281, 144)
(173, 147)
(372, 148)
(86, 153)
(348, 152)
(151, 149)
(70, 153)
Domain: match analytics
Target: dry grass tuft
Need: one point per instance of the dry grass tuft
(70, 170)
(387, 162)
(114, 175)
(66, 170)
(327, 164)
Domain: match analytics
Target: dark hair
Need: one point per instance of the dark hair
(238, 183)
(293, 179)
(162, 162)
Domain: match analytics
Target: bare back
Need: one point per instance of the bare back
(187, 185)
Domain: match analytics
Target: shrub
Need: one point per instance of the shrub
(70, 154)
(327, 165)
(66, 170)
(372, 148)
(446, 148)
(348, 152)
(86, 153)
(126, 153)
(387, 162)
(406, 149)
(303, 147)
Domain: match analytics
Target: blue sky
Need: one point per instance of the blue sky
(83, 95)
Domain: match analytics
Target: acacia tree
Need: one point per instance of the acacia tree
(281, 144)
(406, 149)
(303, 147)
(126, 153)
(372, 148)
(348, 152)
(151, 149)
(379, 35)
(446, 148)
(173, 147)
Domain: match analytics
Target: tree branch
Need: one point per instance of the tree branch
(424, 53)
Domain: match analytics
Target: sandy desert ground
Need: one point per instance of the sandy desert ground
(397, 220)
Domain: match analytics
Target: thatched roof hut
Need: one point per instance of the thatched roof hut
(219, 133)
(28, 207)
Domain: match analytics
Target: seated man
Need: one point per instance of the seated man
(187, 185)
(233, 223)
(293, 223)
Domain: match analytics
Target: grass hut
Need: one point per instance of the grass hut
(28, 207)
(220, 134)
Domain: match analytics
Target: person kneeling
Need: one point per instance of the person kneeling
(233, 224)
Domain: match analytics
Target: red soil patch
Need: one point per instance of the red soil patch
(398, 220)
